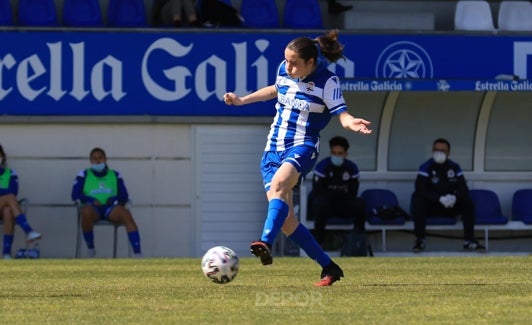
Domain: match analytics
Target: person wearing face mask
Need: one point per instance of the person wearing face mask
(335, 190)
(103, 195)
(10, 211)
(441, 190)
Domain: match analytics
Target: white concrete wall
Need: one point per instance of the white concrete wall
(154, 159)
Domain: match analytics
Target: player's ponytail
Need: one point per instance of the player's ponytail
(322, 48)
(329, 46)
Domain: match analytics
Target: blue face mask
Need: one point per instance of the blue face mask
(98, 167)
(337, 161)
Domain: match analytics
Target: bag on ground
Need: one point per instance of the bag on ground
(356, 244)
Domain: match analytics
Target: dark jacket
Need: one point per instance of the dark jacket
(435, 180)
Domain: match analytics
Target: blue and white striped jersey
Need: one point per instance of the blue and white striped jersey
(304, 107)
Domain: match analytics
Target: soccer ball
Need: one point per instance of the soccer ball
(220, 264)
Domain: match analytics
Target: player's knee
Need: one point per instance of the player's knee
(10, 198)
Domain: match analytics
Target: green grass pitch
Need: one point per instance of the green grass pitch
(380, 290)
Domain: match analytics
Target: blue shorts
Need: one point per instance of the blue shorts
(303, 158)
(104, 210)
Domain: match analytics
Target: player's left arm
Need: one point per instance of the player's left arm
(335, 102)
(462, 190)
(122, 195)
(353, 183)
(13, 184)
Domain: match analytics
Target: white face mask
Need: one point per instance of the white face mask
(337, 160)
(439, 157)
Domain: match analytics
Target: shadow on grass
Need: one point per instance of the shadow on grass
(41, 296)
(426, 284)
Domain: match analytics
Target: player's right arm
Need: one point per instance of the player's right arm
(266, 93)
(77, 189)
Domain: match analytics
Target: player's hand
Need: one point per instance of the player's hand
(359, 125)
(452, 200)
(448, 201)
(355, 124)
(232, 99)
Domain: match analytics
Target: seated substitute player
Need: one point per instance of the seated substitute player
(335, 190)
(103, 195)
(10, 210)
(441, 190)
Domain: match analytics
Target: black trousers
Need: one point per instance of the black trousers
(325, 207)
(423, 208)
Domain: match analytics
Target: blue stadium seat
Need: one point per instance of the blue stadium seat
(37, 13)
(260, 13)
(82, 13)
(487, 208)
(300, 14)
(126, 13)
(522, 206)
(6, 13)
(376, 199)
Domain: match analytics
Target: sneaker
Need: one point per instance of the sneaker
(7, 257)
(21, 253)
(262, 250)
(337, 8)
(137, 255)
(91, 252)
(419, 246)
(473, 245)
(33, 253)
(33, 236)
(329, 275)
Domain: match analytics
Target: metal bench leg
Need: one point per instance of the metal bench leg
(486, 238)
(78, 237)
(383, 240)
(115, 240)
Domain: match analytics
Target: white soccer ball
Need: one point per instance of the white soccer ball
(220, 264)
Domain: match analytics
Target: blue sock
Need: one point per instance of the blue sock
(23, 223)
(306, 241)
(8, 241)
(134, 239)
(89, 239)
(277, 213)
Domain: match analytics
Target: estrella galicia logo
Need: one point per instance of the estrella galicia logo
(404, 60)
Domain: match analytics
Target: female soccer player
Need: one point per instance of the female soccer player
(103, 195)
(10, 211)
(308, 95)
